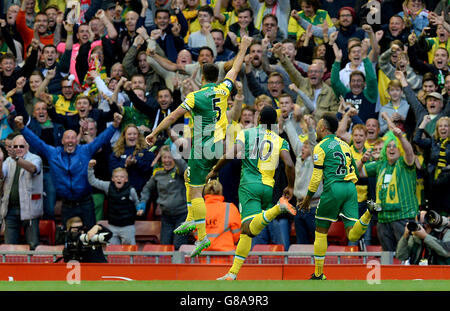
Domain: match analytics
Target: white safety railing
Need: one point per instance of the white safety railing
(180, 257)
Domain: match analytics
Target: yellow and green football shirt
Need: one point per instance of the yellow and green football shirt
(64, 106)
(208, 107)
(262, 149)
(396, 189)
(333, 161)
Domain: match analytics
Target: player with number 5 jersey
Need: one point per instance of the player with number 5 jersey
(208, 108)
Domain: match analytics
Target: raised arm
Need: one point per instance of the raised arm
(217, 12)
(239, 59)
(40, 92)
(407, 147)
(110, 29)
(235, 112)
(294, 140)
(94, 181)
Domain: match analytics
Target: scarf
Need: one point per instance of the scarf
(442, 159)
(259, 17)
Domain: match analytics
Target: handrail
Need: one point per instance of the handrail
(178, 257)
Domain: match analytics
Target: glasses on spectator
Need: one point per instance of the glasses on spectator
(19, 146)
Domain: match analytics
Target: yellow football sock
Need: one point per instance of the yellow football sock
(360, 227)
(262, 219)
(189, 216)
(242, 250)
(320, 249)
(199, 213)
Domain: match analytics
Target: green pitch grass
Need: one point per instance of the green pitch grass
(328, 285)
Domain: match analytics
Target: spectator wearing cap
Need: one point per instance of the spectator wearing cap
(347, 28)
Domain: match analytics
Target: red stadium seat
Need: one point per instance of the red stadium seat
(125, 259)
(47, 258)
(47, 231)
(266, 259)
(155, 248)
(336, 234)
(14, 247)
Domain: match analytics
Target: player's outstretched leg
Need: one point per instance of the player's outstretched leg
(261, 220)
(243, 248)
(360, 227)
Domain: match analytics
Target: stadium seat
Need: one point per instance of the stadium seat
(300, 248)
(336, 234)
(148, 231)
(14, 247)
(47, 231)
(266, 259)
(155, 248)
(47, 258)
(125, 259)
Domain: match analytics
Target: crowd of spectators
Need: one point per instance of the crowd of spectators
(69, 68)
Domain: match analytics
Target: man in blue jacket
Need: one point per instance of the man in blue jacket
(68, 167)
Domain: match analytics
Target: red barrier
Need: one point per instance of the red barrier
(95, 272)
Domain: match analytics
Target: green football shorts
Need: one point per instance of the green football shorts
(254, 198)
(202, 159)
(340, 199)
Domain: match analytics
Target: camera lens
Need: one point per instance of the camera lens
(412, 226)
(433, 218)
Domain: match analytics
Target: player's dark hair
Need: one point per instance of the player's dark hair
(268, 116)
(331, 121)
(210, 72)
